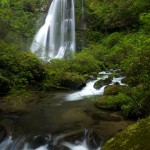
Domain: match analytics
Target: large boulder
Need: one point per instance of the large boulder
(72, 81)
(135, 137)
(113, 89)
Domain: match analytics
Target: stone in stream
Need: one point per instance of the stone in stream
(101, 83)
(88, 138)
(80, 139)
(3, 133)
(114, 89)
(73, 81)
(93, 140)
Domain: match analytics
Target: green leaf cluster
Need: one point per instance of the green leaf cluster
(20, 68)
(106, 15)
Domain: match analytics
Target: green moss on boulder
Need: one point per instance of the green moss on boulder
(72, 80)
(135, 137)
(101, 83)
(113, 89)
(112, 102)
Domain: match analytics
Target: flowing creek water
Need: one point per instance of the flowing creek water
(63, 120)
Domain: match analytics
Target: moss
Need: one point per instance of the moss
(113, 89)
(102, 102)
(22, 68)
(101, 83)
(72, 80)
(112, 102)
(135, 137)
(21, 100)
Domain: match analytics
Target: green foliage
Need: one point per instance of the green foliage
(84, 63)
(136, 65)
(20, 67)
(18, 20)
(133, 102)
(112, 39)
(113, 15)
(129, 51)
(54, 70)
(145, 21)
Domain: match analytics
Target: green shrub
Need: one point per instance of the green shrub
(84, 63)
(145, 21)
(114, 15)
(133, 102)
(20, 67)
(112, 39)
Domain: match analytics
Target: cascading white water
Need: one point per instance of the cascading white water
(89, 89)
(56, 38)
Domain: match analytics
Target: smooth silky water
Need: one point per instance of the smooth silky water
(56, 38)
(59, 116)
(52, 116)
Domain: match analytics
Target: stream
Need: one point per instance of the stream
(63, 120)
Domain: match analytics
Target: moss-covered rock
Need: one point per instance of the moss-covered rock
(101, 83)
(135, 137)
(112, 102)
(72, 81)
(113, 89)
(101, 102)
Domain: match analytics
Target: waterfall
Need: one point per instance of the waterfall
(56, 38)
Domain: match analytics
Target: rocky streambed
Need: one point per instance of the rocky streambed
(58, 120)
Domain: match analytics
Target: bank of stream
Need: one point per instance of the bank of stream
(54, 120)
